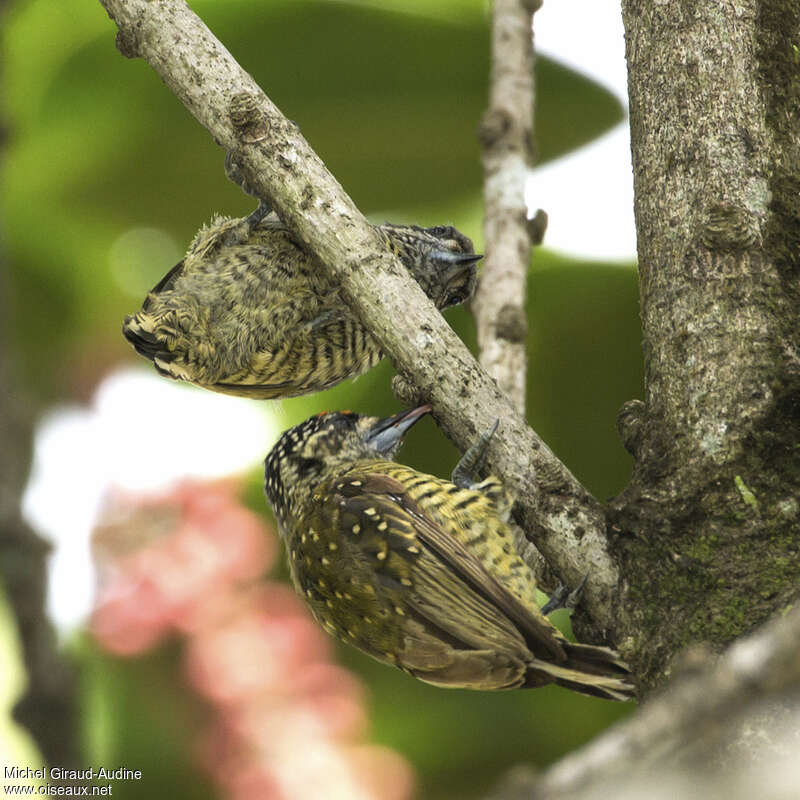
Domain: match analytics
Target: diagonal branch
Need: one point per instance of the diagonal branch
(686, 723)
(565, 522)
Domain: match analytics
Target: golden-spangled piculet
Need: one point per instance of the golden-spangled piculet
(248, 312)
(419, 572)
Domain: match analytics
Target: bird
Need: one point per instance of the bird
(249, 312)
(416, 571)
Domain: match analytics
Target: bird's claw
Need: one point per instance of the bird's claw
(466, 471)
(562, 597)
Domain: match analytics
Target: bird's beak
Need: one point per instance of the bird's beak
(387, 433)
(456, 258)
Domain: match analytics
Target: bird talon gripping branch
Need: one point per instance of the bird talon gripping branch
(562, 597)
(240, 313)
(466, 472)
(416, 571)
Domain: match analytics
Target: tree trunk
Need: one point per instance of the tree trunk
(707, 531)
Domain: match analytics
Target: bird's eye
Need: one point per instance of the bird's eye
(442, 231)
(309, 464)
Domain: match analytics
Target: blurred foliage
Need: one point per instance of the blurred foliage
(107, 177)
(140, 715)
(16, 744)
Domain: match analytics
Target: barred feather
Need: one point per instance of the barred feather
(248, 311)
(416, 571)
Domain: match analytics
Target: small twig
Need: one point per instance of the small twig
(281, 167)
(505, 135)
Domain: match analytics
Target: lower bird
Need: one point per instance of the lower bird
(419, 572)
(249, 312)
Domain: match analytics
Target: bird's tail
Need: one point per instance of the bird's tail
(140, 330)
(596, 671)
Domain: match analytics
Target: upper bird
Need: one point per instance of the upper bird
(248, 311)
(416, 571)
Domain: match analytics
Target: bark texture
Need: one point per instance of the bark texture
(505, 133)
(566, 524)
(707, 532)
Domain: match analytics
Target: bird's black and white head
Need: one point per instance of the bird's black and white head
(441, 259)
(306, 454)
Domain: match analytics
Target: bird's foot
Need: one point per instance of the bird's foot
(254, 217)
(465, 474)
(562, 597)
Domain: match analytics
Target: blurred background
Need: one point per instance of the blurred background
(194, 662)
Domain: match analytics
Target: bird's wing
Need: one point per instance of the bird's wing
(256, 391)
(451, 591)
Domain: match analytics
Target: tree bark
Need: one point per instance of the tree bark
(707, 530)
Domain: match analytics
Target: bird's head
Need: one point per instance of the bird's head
(305, 454)
(441, 259)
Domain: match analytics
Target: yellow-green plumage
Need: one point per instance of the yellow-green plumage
(249, 312)
(414, 570)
